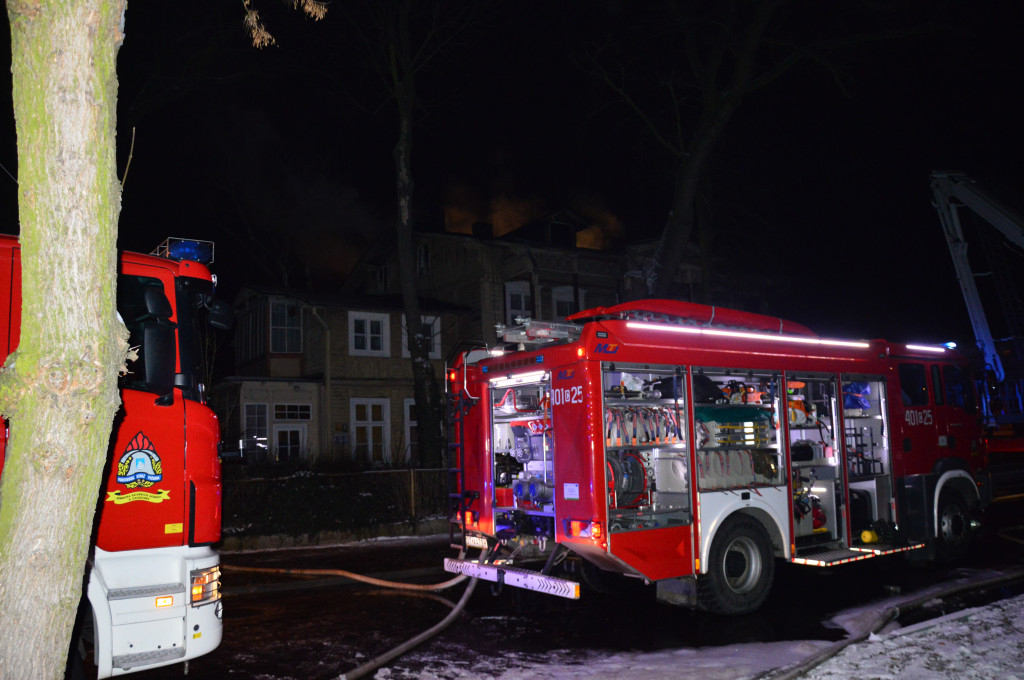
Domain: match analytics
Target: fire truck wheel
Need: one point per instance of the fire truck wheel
(954, 528)
(740, 569)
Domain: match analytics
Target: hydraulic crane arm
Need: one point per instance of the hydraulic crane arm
(952, 191)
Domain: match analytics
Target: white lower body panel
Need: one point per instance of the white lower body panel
(142, 611)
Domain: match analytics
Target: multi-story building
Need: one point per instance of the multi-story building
(329, 377)
(325, 378)
(535, 271)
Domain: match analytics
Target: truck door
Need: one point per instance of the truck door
(956, 412)
(146, 488)
(917, 436)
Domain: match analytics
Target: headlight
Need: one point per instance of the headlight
(205, 585)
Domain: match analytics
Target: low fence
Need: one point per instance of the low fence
(312, 503)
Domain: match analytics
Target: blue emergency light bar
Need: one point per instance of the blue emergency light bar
(180, 249)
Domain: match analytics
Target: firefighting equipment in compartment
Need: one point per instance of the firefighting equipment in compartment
(513, 402)
(741, 393)
(635, 387)
(805, 503)
(803, 451)
(719, 468)
(532, 489)
(800, 412)
(705, 391)
(530, 440)
(627, 479)
(855, 398)
(632, 425)
(764, 464)
(733, 425)
(882, 532)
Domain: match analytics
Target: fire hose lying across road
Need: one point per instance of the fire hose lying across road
(378, 661)
(795, 670)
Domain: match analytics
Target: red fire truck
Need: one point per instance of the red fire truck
(690, 446)
(153, 578)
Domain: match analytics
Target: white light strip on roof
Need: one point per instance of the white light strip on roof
(506, 380)
(927, 348)
(797, 339)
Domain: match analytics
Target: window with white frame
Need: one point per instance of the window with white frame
(285, 327)
(290, 442)
(431, 328)
(254, 433)
(293, 411)
(370, 426)
(518, 301)
(369, 334)
(562, 302)
(412, 437)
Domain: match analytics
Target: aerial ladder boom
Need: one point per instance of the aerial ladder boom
(955, 190)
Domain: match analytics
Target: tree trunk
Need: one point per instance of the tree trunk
(59, 389)
(718, 105)
(427, 393)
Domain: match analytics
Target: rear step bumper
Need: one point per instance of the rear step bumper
(828, 558)
(513, 576)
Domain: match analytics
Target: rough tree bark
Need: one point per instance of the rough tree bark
(59, 389)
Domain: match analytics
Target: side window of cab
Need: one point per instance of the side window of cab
(914, 384)
(958, 388)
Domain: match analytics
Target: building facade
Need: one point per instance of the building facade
(535, 271)
(328, 378)
(325, 379)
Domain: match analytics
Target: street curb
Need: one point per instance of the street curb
(427, 527)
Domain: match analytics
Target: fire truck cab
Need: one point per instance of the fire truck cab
(691, 446)
(153, 585)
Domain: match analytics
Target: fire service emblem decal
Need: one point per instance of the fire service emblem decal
(139, 468)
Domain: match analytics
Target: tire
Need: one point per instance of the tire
(740, 569)
(954, 528)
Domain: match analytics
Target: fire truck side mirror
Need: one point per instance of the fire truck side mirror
(158, 357)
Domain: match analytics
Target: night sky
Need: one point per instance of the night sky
(820, 180)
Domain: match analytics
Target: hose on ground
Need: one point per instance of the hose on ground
(401, 649)
(428, 587)
(394, 653)
(880, 621)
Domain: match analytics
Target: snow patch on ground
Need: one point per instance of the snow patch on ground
(977, 644)
(711, 663)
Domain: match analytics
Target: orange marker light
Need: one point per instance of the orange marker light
(165, 601)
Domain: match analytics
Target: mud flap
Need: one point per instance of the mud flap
(678, 592)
